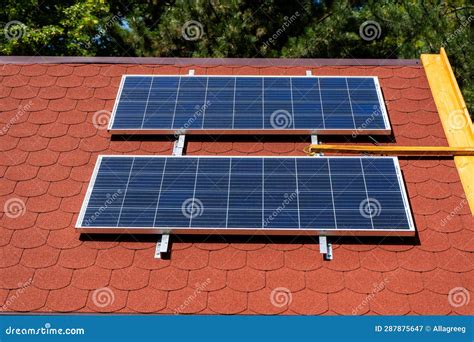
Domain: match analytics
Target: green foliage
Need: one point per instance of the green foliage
(243, 28)
(59, 28)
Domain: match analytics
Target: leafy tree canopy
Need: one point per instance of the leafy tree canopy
(243, 28)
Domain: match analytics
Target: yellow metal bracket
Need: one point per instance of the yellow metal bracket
(419, 151)
(454, 116)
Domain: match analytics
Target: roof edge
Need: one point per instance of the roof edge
(288, 62)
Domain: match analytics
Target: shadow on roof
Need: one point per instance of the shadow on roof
(256, 239)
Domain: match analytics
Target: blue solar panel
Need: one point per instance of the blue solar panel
(187, 194)
(200, 104)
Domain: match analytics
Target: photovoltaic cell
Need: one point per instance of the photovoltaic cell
(249, 104)
(287, 195)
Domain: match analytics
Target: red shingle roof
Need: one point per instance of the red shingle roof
(48, 153)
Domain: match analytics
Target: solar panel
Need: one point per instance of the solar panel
(247, 195)
(249, 105)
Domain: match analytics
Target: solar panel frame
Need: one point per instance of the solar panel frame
(248, 231)
(261, 131)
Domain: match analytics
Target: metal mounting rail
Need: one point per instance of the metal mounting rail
(325, 248)
(162, 246)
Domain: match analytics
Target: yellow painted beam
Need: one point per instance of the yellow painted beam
(454, 115)
(420, 151)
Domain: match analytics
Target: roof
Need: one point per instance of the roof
(49, 147)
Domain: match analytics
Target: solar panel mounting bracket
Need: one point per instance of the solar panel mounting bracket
(179, 145)
(314, 141)
(325, 248)
(162, 246)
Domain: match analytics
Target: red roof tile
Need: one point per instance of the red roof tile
(79, 257)
(403, 281)
(130, 278)
(227, 301)
(13, 277)
(307, 302)
(147, 300)
(91, 278)
(287, 278)
(67, 299)
(302, 259)
(28, 238)
(213, 279)
(115, 258)
(53, 220)
(430, 303)
(347, 302)
(168, 278)
(268, 301)
(40, 257)
(52, 278)
(27, 300)
(325, 281)
(387, 302)
(246, 279)
(106, 299)
(187, 300)
(48, 155)
(10, 256)
(362, 280)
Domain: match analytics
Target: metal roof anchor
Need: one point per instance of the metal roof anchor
(162, 246)
(315, 141)
(325, 248)
(179, 145)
